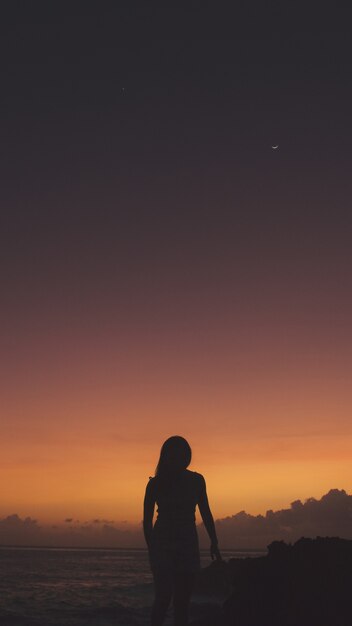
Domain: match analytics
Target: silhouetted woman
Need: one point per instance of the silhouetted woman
(173, 541)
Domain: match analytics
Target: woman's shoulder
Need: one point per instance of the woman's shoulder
(198, 478)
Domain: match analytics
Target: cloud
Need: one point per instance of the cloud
(95, 533)
(329, 516)
(14, 530)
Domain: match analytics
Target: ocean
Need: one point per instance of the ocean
(82, 587)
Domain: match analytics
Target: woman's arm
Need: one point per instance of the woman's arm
(148, 512)
(208, 520)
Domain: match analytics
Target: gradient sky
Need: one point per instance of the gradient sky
(163, 270)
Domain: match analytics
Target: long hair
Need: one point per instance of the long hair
(175, 456)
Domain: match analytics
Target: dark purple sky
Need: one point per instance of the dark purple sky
(150, 235)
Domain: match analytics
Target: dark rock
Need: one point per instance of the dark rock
(305, 584)
(215, 580)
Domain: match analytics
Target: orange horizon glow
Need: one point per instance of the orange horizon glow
(260, 386)
(260, 443)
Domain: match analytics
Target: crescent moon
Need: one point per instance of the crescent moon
(274, 147)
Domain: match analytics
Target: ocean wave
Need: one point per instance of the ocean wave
(114, 614)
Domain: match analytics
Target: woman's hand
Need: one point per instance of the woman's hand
(215, 552)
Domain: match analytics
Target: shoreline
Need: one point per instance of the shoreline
(258, 551)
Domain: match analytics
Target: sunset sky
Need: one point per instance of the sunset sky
(164, 270)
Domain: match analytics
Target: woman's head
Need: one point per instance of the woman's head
(175, 455)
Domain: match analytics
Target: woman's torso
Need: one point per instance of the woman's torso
(176, 498)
